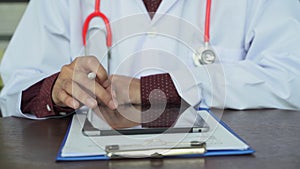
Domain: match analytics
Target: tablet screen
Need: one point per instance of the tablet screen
(134, 119)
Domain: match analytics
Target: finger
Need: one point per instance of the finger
(112, 92)
(109, 116)
(95, 89)
(113, 95)
(105, 97)
(68, 100)
(79, 94)
(102, 75)
(105, 115)
(85, 65)
(113, 89)
(106, 83)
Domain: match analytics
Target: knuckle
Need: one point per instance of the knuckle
(111, 77)
(77, 59)
(114, 80)
(79, 62)
(65, 69)
(91, 60)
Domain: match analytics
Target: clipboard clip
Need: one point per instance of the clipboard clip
(195, 147)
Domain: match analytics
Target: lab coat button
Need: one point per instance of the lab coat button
(152, 33)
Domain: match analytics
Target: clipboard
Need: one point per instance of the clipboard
(188, 151)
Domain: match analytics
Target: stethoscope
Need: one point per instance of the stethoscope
(204, 55)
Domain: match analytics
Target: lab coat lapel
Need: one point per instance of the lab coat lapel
(164, 7)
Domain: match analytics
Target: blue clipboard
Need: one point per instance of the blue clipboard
(59, 156)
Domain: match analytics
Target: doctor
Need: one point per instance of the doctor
(45, 68)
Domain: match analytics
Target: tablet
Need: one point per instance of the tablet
(134, 119)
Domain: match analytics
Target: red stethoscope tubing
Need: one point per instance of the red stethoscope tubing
(207, 22)
(98, 13)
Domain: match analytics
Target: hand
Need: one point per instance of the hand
(125, 90)
(73, 88)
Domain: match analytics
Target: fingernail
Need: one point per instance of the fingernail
(113, 104)
(91, 102)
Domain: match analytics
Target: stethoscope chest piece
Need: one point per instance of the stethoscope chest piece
(203, 56)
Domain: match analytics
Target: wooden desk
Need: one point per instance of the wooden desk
(274, 134)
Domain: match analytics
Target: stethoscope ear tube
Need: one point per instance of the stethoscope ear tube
(97, 13)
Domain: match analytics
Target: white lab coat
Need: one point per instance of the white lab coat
(257, 43)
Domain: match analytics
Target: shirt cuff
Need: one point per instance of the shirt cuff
(38, 99)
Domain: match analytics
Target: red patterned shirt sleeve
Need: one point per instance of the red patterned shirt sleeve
(38, 100)
(157, 89)
(156, 83)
